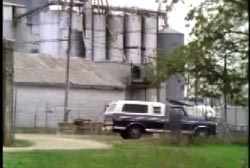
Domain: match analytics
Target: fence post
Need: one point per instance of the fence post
(35, 115)
(235, 117)
(15, 107)
(247, 115)
(35, 121)
(8, 76)
(46, 115)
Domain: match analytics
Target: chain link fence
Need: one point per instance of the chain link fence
(237, 118)
(47, 117)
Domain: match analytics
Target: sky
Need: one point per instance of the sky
(176, 16)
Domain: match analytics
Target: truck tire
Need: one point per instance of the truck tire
(202, 133)
(134, 132)
(124, 134)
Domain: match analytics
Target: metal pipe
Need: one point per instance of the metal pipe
(130, 10)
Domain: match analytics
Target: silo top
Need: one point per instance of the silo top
(168, 30)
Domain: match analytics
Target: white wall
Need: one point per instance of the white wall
(88, 104)
(7, 13)
(8, 29)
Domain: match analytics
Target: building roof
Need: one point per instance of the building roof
(12, 4)
(168, 30)
(37, 69)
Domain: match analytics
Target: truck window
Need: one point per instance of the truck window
(135, 108)
(178, 111)
(157, 110)
(111, 107)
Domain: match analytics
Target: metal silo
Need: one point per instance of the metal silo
(99, 37)
(115, 41)
(133, 38)
(149, 38)
(167, 41)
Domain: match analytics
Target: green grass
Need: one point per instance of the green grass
(135, 154)
(20, 143)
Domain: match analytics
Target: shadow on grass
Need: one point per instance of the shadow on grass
(20, 143)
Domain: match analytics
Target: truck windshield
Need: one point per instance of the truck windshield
(195, 112)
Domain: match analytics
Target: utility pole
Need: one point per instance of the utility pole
(66, 110)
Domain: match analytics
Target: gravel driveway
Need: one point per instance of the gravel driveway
(53, 142)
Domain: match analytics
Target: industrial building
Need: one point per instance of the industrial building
(113, 53)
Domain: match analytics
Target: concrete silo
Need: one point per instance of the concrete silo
(149, 38)
(115, 40)
(99, 37)
(54, 34)
(133, 38)
(50, 33)
(167, 41)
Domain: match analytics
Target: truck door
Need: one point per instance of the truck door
(175, 115)
(179, 120)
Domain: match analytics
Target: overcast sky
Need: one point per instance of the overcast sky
(176, 17)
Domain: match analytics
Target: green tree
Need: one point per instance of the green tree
(218, 53)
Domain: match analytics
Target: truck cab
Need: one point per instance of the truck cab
(133, 118)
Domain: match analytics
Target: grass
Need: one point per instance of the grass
(20, 143)
(149, 153)
(41, 130)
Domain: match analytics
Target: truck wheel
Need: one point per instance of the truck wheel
(134, 132)
(202, 133)
(124, 134)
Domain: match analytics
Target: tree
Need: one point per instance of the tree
(218, 53)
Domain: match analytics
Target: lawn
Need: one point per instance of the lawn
(133, 154)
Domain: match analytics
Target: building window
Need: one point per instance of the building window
(157, 110)
(135, 108)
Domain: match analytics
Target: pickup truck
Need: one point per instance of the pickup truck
(133, 118)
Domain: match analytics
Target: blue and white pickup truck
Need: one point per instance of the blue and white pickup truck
(133, 118)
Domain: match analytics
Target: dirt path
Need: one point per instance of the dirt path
(48, 142)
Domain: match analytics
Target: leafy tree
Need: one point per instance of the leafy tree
(218, 53)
